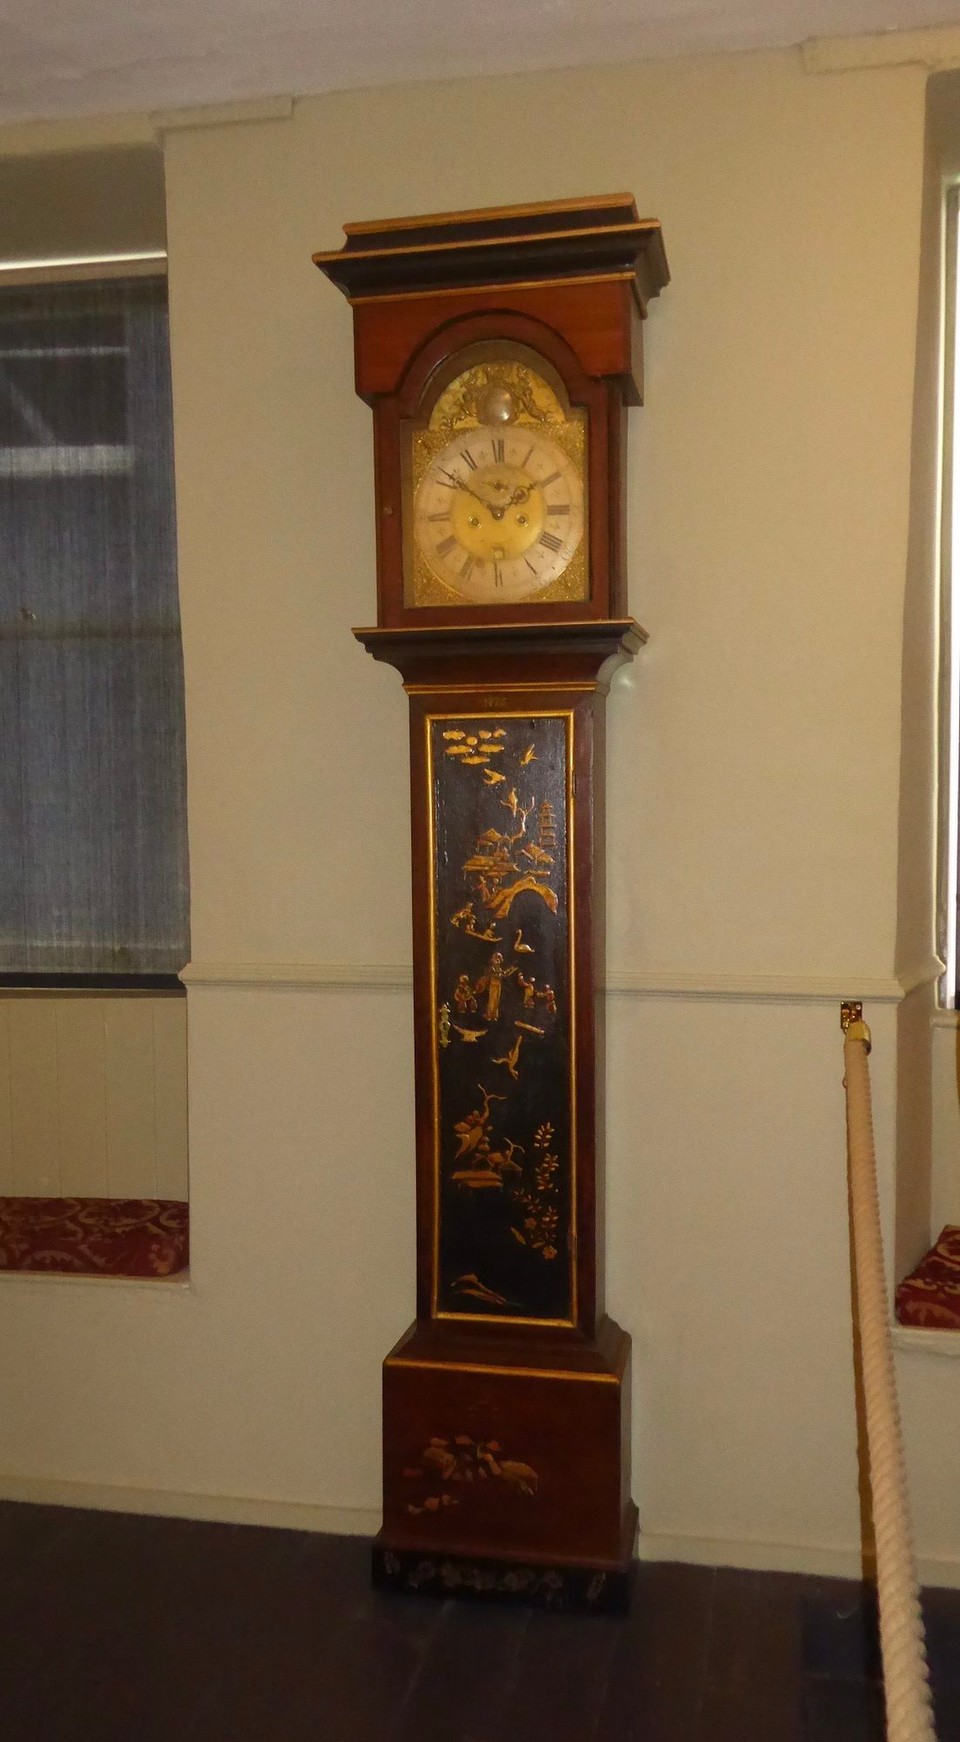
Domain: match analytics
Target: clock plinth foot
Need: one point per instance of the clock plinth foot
(507, 1445)
(541, 1585)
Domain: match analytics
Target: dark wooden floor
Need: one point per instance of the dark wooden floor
(120, 1629)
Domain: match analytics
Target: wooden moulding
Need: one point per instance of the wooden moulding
(502, 245)
(531, 654)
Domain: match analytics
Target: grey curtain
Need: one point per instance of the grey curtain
(93, 853)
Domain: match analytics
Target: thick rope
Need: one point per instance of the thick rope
(905, 1674)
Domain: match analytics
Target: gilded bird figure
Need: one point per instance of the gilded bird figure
(511, 1058)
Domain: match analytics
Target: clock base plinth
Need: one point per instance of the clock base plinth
(540, 1585)
(506, 1449)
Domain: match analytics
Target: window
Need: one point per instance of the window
(93, 856)
(951, 617)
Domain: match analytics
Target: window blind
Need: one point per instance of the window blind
(93, 852)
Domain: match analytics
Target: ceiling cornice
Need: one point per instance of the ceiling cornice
(936, 49)
(180, 70)
(222, 114)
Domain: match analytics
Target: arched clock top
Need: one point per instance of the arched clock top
(587, 268)
(451, 347)
(492, 380)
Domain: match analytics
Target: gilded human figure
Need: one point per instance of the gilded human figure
(463, 995)
(492, 983)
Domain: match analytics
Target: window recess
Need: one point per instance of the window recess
(93, 854)
(950, 614)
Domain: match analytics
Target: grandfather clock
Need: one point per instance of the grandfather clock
(499, 350)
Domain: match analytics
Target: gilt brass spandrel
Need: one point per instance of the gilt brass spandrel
(461, 404)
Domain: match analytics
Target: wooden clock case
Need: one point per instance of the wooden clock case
(506, 1406)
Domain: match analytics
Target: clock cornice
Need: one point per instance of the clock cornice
(505, 245)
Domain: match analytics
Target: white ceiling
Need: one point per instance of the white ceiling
(75, 57)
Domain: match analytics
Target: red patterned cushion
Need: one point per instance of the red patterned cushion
(94, 1236)
(930, 1295)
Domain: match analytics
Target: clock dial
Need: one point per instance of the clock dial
(495, 497)
(498, 514)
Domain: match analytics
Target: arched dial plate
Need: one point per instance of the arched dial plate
(497, 500)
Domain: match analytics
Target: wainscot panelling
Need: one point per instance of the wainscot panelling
(131, 1137)
(82, 1098)
(170, 1091)
(34, 1097)
(93, 1096)
(6, 1126)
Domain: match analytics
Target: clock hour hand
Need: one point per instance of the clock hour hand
(491, 507)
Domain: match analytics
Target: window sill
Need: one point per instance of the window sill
(910, 1337)
(91, 985)
(167, 1287)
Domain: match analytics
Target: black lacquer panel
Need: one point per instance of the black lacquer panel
(503, 931)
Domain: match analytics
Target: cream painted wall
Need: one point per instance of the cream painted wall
(754, 757)
(768, 509)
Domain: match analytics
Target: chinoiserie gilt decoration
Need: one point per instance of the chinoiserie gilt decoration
(499, 351)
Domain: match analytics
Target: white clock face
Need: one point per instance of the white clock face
(498, 515)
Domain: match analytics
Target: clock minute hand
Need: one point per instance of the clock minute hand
(460, 484)
(492, 508)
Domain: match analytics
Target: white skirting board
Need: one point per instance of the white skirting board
(780, 1557)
